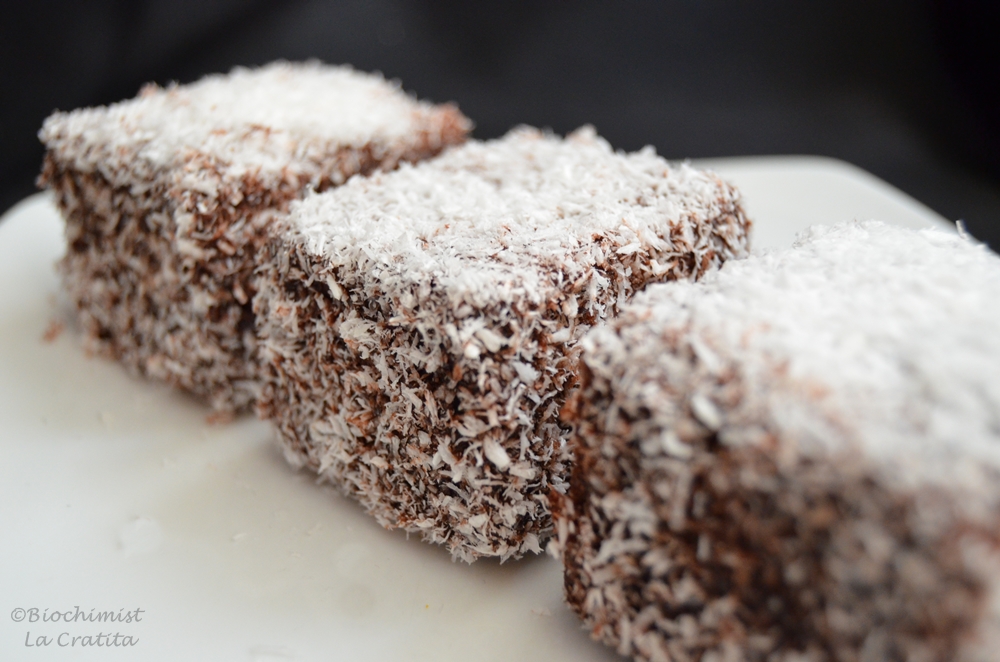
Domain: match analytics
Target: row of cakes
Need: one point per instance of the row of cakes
(789, 455)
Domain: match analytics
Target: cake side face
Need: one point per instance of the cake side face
(419, 328)
(795, 458)
(168, 198)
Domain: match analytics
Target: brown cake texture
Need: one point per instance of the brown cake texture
(168, 198)
(419, 329)
(795, 459)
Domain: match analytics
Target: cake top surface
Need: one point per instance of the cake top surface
(248, 120)
(495, 220)
(863, 336)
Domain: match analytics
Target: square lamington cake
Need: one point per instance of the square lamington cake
(168, 198)
(419, 329)
(795, 458)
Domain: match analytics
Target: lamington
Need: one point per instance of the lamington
(168, 198)
(796, 458)
(418, 329)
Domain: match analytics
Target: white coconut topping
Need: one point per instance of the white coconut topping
(863, 337)
(487, 222)
(251, 121)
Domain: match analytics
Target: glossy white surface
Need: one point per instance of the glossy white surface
(117, 494)
(787, 194)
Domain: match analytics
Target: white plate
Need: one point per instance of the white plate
(116, 494)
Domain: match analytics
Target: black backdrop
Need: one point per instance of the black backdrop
(907, 89)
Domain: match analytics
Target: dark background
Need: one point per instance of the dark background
(907, 89)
